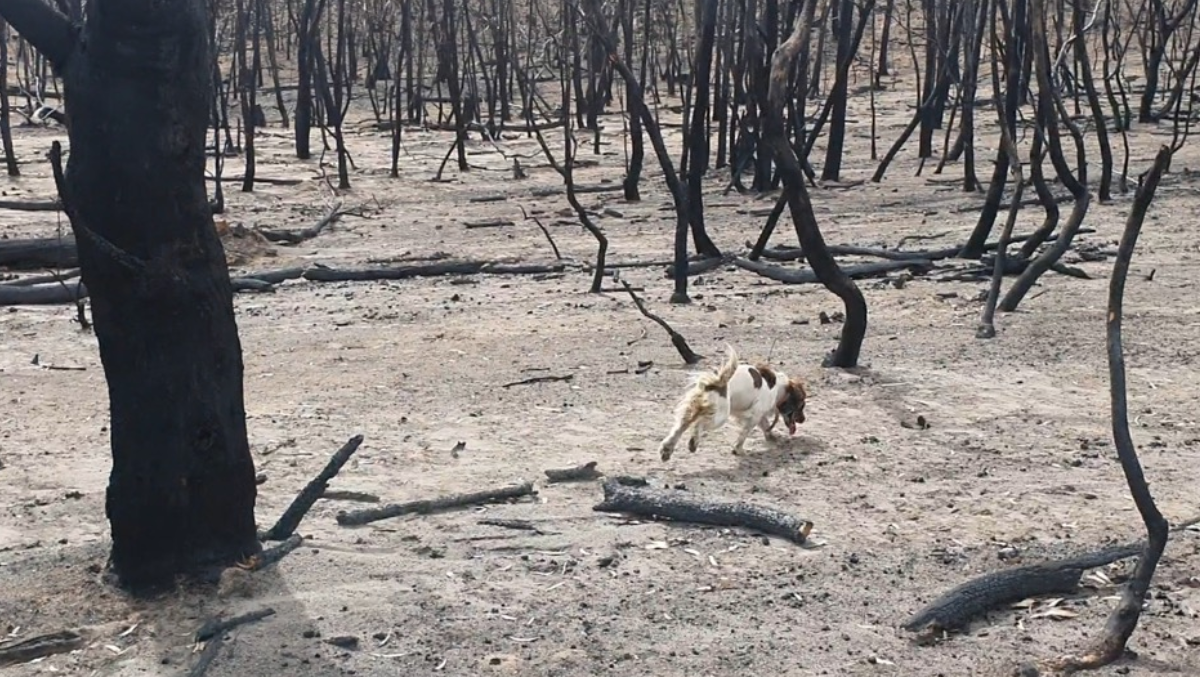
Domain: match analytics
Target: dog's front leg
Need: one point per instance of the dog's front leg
(747, 427)
(768, 429)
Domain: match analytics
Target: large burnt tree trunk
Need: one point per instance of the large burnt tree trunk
(137, 83)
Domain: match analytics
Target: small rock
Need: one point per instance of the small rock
(343, 641)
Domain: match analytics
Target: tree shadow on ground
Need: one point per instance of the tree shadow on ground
(63, 588)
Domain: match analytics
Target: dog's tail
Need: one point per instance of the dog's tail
(720, 379)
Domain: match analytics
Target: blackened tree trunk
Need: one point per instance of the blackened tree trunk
(304, 68)
(10, 155)
(811, 241)
(837, 98)
(137, 83)
(698, 146)
(637, 153)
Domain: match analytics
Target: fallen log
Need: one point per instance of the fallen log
(276, 276)
(39, 252)
(41, 294)
(960, 605)
(31, 205)
(324, 274)
(428, 506)
(680, 506)
(796, 253)
(43, 279)
(40, 647)
(54, 293)
(807, 276)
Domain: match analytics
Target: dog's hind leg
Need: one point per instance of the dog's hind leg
(667, 447)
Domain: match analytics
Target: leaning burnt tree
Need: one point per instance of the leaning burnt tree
(811, 241)
(137, 83)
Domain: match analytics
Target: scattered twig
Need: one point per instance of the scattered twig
(519, 525)
(287, 524)
(489, 223)
(535, 219)
(579, 473)
(298, 236)
(40, 647)
(538, 379)
(680, 343)
(216, 626)
(428, 506)
(680, 506)
(360, 496)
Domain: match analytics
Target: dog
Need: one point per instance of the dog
(750, 394)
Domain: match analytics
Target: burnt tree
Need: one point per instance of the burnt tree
(137, 82)
(813, 243)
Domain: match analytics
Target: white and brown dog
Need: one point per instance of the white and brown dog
(751, 394)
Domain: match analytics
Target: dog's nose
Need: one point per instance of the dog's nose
(800, 418)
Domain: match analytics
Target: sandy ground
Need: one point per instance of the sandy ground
(1017, 455)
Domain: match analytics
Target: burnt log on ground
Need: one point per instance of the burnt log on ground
(39, 647)
(53, 293)
(796, 253)
(428, 506)
(42, 294)
(681, 506)
(857, 271)
(55, 277)
(324, 274)
(39, 252)
(956, 608)
(31, 206)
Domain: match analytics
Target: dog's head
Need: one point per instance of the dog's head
(791, 407)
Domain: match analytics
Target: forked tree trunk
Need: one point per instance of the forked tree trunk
(137, 83)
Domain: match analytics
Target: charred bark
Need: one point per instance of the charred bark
(137, 80)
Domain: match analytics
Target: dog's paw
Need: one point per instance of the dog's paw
(665, 452)
(692, 444)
